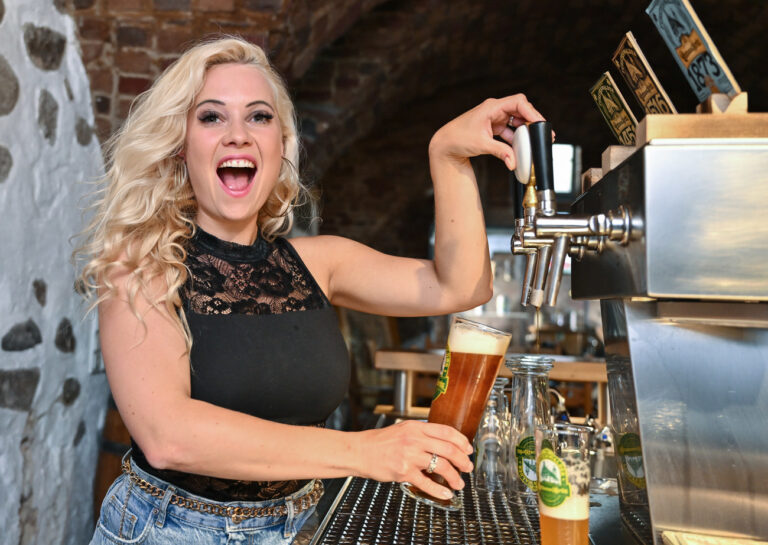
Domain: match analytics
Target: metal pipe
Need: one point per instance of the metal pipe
(562, 244)
(530, 269)
(542, 264)
(555, 225)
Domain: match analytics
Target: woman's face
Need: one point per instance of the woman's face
(233, 150)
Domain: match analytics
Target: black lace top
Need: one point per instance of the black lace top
(265, 341)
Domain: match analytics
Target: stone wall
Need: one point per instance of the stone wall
(52, 390)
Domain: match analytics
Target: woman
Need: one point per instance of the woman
(218, 335)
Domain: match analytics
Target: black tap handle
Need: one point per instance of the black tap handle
(518, 194)
(541, 150)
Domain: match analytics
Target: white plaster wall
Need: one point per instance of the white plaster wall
(46, 486)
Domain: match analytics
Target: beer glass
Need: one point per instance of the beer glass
(562, 466)
(529, 410)
(473, 356)
(490, 440)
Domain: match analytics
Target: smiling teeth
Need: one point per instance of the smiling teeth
(237, 163)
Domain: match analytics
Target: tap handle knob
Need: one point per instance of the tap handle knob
(541, 149)
(518, 194)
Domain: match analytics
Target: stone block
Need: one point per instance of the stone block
(44, 46)
(92, 51)
(65, 337)
(83, 132)
(6, 162)
(18, 387)
(40, 289)
(131, 36)
(174, 39)
(137, 62)
(70, 391)
(126, 5)
(172, 5)
(215, 5)
(263, 5)
(21, 336)
(93, 28)
(102, 80)
(9, 87)
(129, 85)
(48, 115)
(102, 104)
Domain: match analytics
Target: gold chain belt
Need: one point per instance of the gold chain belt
(237, 514)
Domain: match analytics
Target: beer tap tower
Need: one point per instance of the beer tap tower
(674, 242)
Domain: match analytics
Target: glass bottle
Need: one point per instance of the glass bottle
(490, 447)
(529, 409)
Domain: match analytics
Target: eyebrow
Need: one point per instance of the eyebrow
(221, 103)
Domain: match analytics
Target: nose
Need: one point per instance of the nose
(237, 135)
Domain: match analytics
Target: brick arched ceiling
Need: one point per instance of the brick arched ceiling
(353, 63)
(554, 50)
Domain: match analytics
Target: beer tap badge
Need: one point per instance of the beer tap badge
(639, 75)
(693, 49)
(615, 110)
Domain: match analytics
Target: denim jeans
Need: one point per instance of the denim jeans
(129, 515)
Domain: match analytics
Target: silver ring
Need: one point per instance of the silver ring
(432, 464)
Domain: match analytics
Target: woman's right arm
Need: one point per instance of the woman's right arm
(149, 374)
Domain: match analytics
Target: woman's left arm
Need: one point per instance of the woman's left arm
(459, 277)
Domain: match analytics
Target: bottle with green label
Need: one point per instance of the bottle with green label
(626, 432)
(529, 408)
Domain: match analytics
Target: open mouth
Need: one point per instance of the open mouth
(236, 174)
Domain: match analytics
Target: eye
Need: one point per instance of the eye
(262, 117)
(209, 117)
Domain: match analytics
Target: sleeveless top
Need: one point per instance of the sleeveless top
(265, 342)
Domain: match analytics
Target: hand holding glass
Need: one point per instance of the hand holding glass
(473, 356)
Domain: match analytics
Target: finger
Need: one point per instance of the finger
(445, 469)
(518, 106)
(507, 134)
(428, 486)
(448, 433)
(451, 454)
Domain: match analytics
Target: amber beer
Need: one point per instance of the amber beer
(562, 466)
(557, 529)
(473, 356)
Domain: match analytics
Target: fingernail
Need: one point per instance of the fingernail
(508, 162)
(447, 494)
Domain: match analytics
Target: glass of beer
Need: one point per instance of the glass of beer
(473, 356)
(562, 467)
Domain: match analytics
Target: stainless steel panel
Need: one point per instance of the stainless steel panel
(706, 235)
(702, 401)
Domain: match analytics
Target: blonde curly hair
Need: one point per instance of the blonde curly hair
(144, 207)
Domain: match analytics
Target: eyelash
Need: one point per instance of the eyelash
(210, 117)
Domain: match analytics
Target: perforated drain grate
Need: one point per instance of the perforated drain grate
(638, 521)
(374, 513)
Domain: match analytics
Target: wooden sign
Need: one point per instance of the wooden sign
(615, 110)
(692, 47)
(638, 74)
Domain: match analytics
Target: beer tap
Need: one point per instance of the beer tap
(541, 153)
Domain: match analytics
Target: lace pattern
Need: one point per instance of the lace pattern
(227, 278)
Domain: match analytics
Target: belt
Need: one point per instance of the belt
(237, 514)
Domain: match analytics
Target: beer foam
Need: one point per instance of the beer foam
(573, 508)
(475, 341)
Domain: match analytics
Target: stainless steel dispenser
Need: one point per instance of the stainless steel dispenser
(674, 241)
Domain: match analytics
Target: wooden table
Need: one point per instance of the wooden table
(408, 362)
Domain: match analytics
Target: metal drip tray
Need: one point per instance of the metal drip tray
(373, 513)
